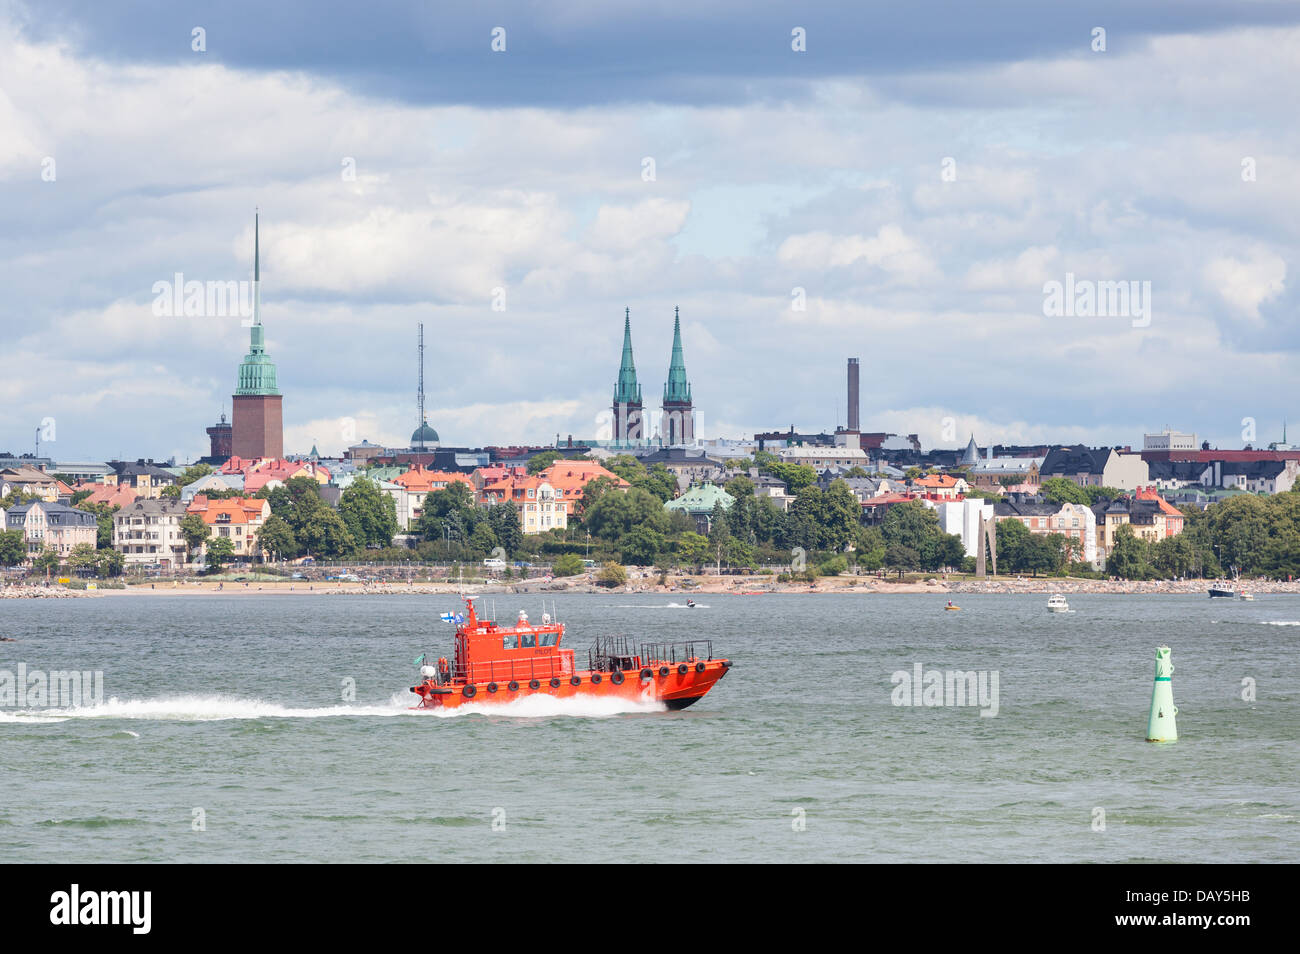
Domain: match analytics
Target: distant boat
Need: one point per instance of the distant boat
(1243, 595)
(690, 603)
(952, 606)
(1057, 604)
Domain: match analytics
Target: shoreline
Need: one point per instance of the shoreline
(760, 586)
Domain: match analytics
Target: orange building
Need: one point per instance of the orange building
(237, 519)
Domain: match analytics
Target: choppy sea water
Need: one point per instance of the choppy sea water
(233, 706)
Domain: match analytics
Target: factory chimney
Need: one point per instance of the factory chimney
(853, 394)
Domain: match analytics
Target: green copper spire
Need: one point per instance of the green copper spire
(677, 388)
(627, 391)
(257, 373)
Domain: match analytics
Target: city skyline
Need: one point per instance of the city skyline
(917, 209)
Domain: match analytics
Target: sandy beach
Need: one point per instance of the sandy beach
(684, 585)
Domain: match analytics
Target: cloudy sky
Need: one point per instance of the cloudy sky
(919, 171)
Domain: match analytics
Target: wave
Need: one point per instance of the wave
(1280, 622)
(189, 708)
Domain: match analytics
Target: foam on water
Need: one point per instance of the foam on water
(188, 708)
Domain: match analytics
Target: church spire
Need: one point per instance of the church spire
(677, 388)
(257, 373)
(626, 389)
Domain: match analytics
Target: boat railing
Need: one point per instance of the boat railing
(612, 653)
(686, 651)
(505, 670)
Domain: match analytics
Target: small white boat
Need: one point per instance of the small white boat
(1243, 595)
(1057, 604)
(690, 603)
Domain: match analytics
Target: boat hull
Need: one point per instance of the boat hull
(673, 688)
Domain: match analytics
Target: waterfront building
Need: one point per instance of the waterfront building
(149, 532)
(1096, 467)
(29, 480)
(147, 478)
(51, 525)
(237, 519)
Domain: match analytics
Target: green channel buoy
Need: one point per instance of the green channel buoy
(1161, 726)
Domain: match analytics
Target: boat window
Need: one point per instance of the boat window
(548, 639)
(530, 640)
(510, 642)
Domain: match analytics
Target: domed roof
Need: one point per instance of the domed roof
(424, 434)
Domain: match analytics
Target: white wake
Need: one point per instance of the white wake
(189, 708)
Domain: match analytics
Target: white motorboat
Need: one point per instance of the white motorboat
(1057, 604)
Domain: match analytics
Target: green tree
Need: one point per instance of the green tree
(13, 549)
(569, 564)
(693, 549)
(104, 523)
(82, 557)
(109, 563)
(614, 515)
(483, 539)
(1061, 490)
(369, 514)
(539, 462)
(324, 534)
(194, 531)
(611, 575)
(503, 518)
(220, 551)
(640, 547)
(1128, 558)
(276, 538)
(192, 473)
(46, 561)
(915, 527)
(1012, 538)
(719, 533)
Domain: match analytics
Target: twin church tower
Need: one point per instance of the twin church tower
(677, 418)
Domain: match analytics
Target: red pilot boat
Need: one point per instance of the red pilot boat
(502, 663)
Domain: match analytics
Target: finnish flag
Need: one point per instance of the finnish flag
(448, 618)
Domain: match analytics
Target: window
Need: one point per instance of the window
(548, 639)
(529, 640)
(510, 641)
